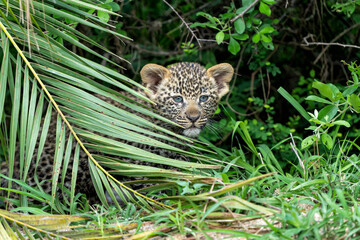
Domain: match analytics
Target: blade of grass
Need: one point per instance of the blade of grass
(14, 120)
(295, 104)
(4, 73)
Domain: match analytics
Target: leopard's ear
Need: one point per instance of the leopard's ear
(222, 73)
(152, 75)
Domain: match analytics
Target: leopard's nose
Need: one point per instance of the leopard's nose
(192, 112)
(193, 118)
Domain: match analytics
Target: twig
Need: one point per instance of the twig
(210, 40)
(335, 39)
(243, 12)
(328, 44)
(186, 25)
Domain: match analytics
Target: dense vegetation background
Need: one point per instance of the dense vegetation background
(292, 109)
(306, 41)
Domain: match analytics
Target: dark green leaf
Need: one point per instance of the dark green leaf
(234, 46)
(350, 90)
(308, 141)
(241, 37)
(354, 101)
(327, 140)
(256, 38)
(342, 123)
(103, 16)
(317, 99)
(270, 2)
(266, 39)
(267, 29)
(265, 9)
(329, 111)
(239, 26)
(268, 45)
(324, 90)
(219, 37)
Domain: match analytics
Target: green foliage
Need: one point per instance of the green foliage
(306, 132)
(347, 7)
(337, 104)
(237, 24)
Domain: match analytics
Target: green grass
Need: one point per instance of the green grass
(248, 190)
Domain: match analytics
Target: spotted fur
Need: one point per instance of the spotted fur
(185, 93)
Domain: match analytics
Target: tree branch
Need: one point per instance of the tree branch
(329, 44)
(186, 25)
(335, 39)
(243, 13)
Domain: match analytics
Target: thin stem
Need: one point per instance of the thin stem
(243, 12)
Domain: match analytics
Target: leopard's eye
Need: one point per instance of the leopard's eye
(178, 99)
(203, 98)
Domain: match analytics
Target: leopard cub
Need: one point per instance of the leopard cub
(185, 93)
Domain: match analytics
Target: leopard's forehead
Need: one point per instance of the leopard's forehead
(189, 79)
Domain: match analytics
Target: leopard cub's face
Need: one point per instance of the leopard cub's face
(187, 93)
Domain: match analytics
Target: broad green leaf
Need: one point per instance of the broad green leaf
(256, 38)
(234, 46)
(267, 29)
(219, 37)
(308, 141)
(241, 37)
(326, 90)
(270, 2)
(317, 99)
(327, 140)
(350, 90)
(264, 8)
(239, 26)
(268, 45)
(266, 39)
(246, 3)
(354, 101)
(104, 16)
(342, 123)
(327, 113)
(208, 16)
(205, 24)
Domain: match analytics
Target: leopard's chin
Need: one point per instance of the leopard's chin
(192, 132)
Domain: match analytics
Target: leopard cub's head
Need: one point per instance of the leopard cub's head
(187, 93)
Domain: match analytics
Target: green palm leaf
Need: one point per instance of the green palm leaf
(70, 84)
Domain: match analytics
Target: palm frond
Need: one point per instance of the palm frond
(72, 87)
